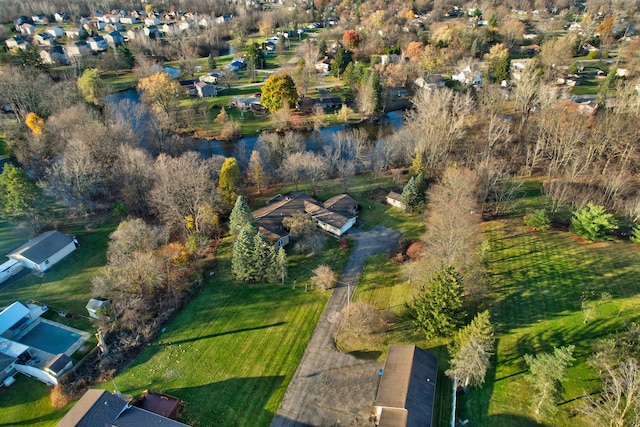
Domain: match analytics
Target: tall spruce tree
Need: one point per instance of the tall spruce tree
(438, 310)
(240, 216)
(242, 260)
(471, 351)
(413, 194)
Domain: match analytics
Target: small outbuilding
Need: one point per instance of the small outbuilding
(99, 308)
(44, 251)
(395, 199)
(407, 388)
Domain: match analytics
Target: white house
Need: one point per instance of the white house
(44, 251)
(54, 55)
(395, 199)
(152, 20)
(97, 43)
(20, 42)
(56, 32)
(129, 20)
(468, 77)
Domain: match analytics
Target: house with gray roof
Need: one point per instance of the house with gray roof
(407, 388)
(44, 251)
(336, 216)
(102, 408)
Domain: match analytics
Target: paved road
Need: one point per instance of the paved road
(330, 388)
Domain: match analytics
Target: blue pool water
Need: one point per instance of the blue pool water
(50, 338)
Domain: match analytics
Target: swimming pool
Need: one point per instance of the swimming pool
(50, 338)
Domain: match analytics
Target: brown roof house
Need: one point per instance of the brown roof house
(407, 388)
(42, 252)
(336, 216)
(99, 408)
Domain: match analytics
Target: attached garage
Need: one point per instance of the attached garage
(44, 251)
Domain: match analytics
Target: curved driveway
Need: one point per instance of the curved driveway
(330, 388)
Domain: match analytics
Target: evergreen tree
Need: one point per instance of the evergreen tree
(438, 310)
(593, 223)
(240, 216)
(502, 68)
(413, 194)
(471, 351)
(417, 166)
(378, 93)
(341, 59)
(281, 265)
(20, 197)
(127, 57)
(261, 258)
(546, 371)
(212, 62)
(242, 260)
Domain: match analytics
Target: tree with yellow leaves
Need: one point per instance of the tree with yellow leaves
(160, 91)
(35, 123)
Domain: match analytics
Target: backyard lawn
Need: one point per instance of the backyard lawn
(536, 282)
(233, 350)
(67, 286)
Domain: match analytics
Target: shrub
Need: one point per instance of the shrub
(593, 223)
(538, 220)
(594, 54)
(635, 234)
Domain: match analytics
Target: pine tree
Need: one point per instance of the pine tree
(261, 258)
(281, 264)
(546, 371)
(242, 265)
(593, 223)
(240, 216)
(438, 311)
(471, 350)
(413, 194)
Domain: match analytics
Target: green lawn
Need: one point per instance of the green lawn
(537, 280)
(233, 350)
(67, 286)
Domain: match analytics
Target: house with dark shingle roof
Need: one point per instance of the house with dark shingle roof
(42, 252)
(407, 388)
(101, 408)
(336, 216)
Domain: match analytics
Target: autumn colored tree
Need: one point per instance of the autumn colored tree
(605, 29)
(228, 181)
(91, 86)
(350, 39)
(35, 123)
(160, 91)
(278, 90)
(414, 49)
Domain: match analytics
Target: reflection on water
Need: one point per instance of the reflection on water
(314, 140)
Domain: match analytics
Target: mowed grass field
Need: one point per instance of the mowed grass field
(538, 280)
(233, 350)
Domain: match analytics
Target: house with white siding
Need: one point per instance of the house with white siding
(43, 252)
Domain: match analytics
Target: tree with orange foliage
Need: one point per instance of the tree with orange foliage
(350, 39)
(35, 123)
(414, 49)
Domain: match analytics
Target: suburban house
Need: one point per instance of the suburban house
(55, 31)
(114, 38)
(20, 42)
(44, 251)
(33, 346)
(151, 21)
(98, 43)
(395, 199)
(79, 48)
(336, 216)
(151, 31)
(44, 39)
(54, 55)
(206, 90)
(430, 81)
(468, 76)
(406, 393)
(237, 64)
(102, 408)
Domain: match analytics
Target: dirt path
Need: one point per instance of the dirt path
(330, 388)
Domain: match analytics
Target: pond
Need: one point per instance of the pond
(315, 140)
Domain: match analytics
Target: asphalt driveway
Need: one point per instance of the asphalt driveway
(330, 388)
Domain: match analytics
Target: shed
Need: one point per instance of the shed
(98, 308)
(395, 199)
(407, 388)
(44, 251)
